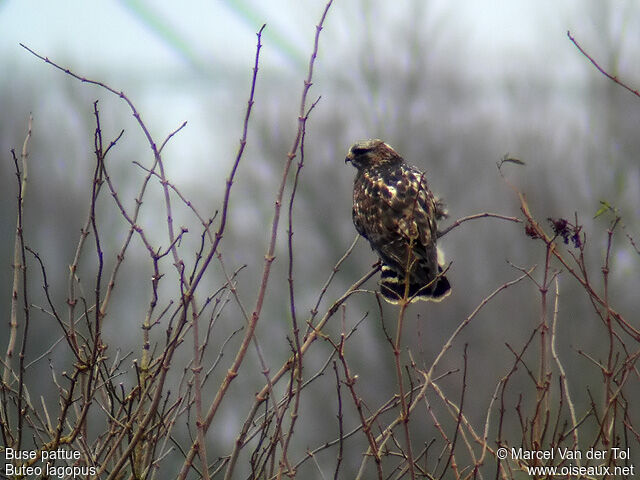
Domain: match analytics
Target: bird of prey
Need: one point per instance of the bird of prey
(396, 212)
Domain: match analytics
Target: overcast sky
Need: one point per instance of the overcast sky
(165, 35)
(192, 62)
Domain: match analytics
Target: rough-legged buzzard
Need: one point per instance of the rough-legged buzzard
(396, 212)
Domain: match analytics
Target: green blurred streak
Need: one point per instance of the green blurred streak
(247, 13)
(250, 15)
(163, 30)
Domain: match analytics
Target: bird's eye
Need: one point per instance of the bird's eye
(359, 151)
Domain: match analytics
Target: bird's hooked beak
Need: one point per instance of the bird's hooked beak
(349, 158)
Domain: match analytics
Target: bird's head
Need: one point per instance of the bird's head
(371, 153)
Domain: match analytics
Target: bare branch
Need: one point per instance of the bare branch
(613, 78)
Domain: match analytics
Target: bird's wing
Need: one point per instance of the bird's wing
(394, 208)
(413, 206)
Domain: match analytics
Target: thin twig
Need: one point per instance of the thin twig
(613, 78)
(457, 223)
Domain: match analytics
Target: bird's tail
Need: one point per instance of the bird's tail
(393, 287)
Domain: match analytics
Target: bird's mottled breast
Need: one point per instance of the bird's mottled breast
(389, 200)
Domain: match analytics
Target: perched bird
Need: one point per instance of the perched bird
(396, 212)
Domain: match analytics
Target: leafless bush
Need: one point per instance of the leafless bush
(161, 420)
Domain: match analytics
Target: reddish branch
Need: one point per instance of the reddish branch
(613, 78)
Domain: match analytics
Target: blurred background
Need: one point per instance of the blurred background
(452, 86)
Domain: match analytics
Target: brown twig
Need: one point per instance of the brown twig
(19, 274)
(477, 216)
(563, 375)
(613, 78)
(309, 339)
(350, 381)
(341, 436)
